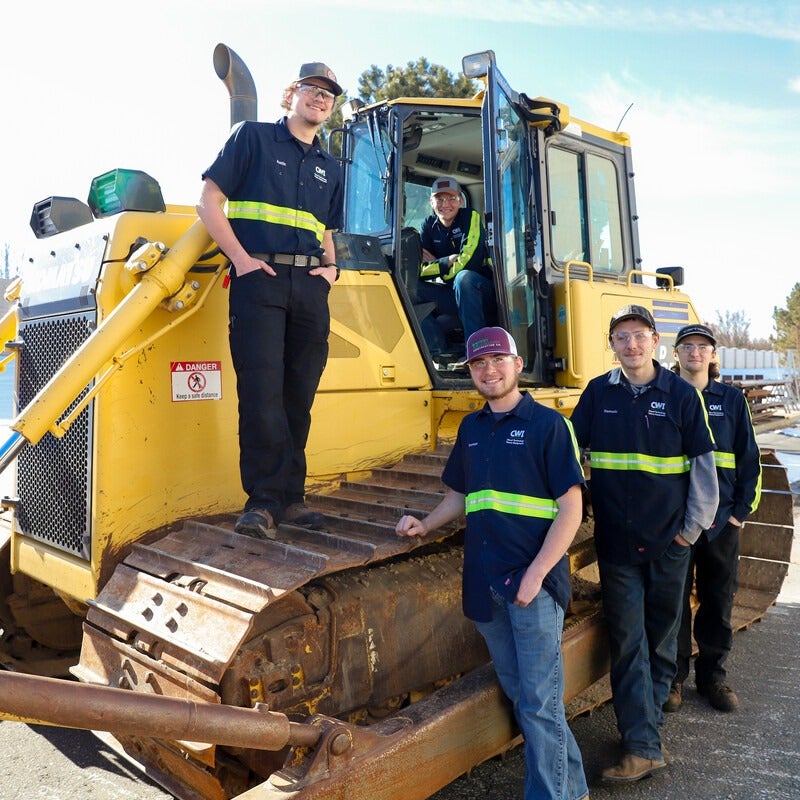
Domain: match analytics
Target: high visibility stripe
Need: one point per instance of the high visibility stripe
(468, 248)
(725, 460)
(640, 462)
(277, 215)
(506, 503)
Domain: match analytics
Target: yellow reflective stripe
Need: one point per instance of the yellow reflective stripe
(277, 215)
(468, 249)
(429, 270)
(669, 465)
(725, 460)
(506, 503)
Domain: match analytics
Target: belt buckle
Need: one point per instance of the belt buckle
(300, 261)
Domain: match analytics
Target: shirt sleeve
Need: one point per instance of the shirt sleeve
(232, 161)
(453, 475)
(703, 496)
(473, 248)
(581, 417)
(747, 489)
(562, 458)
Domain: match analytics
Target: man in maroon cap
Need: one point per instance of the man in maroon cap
(284, 200)
(514, 471)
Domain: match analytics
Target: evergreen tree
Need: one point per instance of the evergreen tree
(418, 78)
(787, 322)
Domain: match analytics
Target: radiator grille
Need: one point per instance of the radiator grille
(54, 476)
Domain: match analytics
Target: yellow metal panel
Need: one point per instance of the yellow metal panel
(67, 574)
(582, 318)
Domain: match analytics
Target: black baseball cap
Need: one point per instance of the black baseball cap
(632, 312)
(695, 329)
(316, 69)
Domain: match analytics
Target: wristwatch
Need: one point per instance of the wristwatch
(331, 264)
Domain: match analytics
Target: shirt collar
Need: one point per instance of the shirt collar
(524, 409)
(283, 134)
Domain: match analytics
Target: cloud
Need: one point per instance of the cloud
(711, 196)
(779, 19)
(794, 85)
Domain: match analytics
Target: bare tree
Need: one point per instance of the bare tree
(732, 329)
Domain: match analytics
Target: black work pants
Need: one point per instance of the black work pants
(715, 566)
(279, 344)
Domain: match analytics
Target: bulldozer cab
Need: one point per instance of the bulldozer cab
(554, 195)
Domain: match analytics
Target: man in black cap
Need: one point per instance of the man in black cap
(654, 490)
(714, 562)
(284, 200)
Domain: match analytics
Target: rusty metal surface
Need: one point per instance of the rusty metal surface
(35, 699)
(410, 755)
(345, 622)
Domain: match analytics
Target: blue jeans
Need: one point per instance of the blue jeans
(642, 606)
(525, 646)
(469, 298)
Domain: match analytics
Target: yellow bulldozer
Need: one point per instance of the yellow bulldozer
(327, 663)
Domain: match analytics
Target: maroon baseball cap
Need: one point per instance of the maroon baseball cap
(490, 342)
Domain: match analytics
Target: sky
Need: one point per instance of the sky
(711, 90)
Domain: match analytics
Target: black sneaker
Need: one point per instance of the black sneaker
(300, 514)
(675, 698)
(257, 523)
(720, 695)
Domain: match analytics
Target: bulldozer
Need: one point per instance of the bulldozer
(327, 663)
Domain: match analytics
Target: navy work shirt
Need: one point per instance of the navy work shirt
(640, 450)
(511, 470)
(281, 198)
(737, 455)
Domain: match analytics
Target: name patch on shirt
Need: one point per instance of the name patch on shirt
(319, 174)
(715, 410)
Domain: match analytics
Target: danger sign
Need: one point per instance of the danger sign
(196, 380)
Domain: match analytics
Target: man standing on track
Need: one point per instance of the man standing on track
(284, 197)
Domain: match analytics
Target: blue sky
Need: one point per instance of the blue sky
(715, 87)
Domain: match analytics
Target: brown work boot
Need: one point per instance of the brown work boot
(300, 514)
(257, 523)
(675, 698)
(632, 768)
(720, 695)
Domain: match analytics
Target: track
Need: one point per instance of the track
(350, 622)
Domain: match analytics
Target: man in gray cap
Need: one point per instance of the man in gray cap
(284, 200)
(714, 563)
(654, 490)
(456, 272)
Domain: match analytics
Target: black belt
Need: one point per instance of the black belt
(289, 259)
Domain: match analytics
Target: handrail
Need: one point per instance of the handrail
(568, 309)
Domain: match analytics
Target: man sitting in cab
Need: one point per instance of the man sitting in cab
(456, 272)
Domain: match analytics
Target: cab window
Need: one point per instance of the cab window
(584, 210)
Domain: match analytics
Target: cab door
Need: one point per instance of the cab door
(511, 234)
